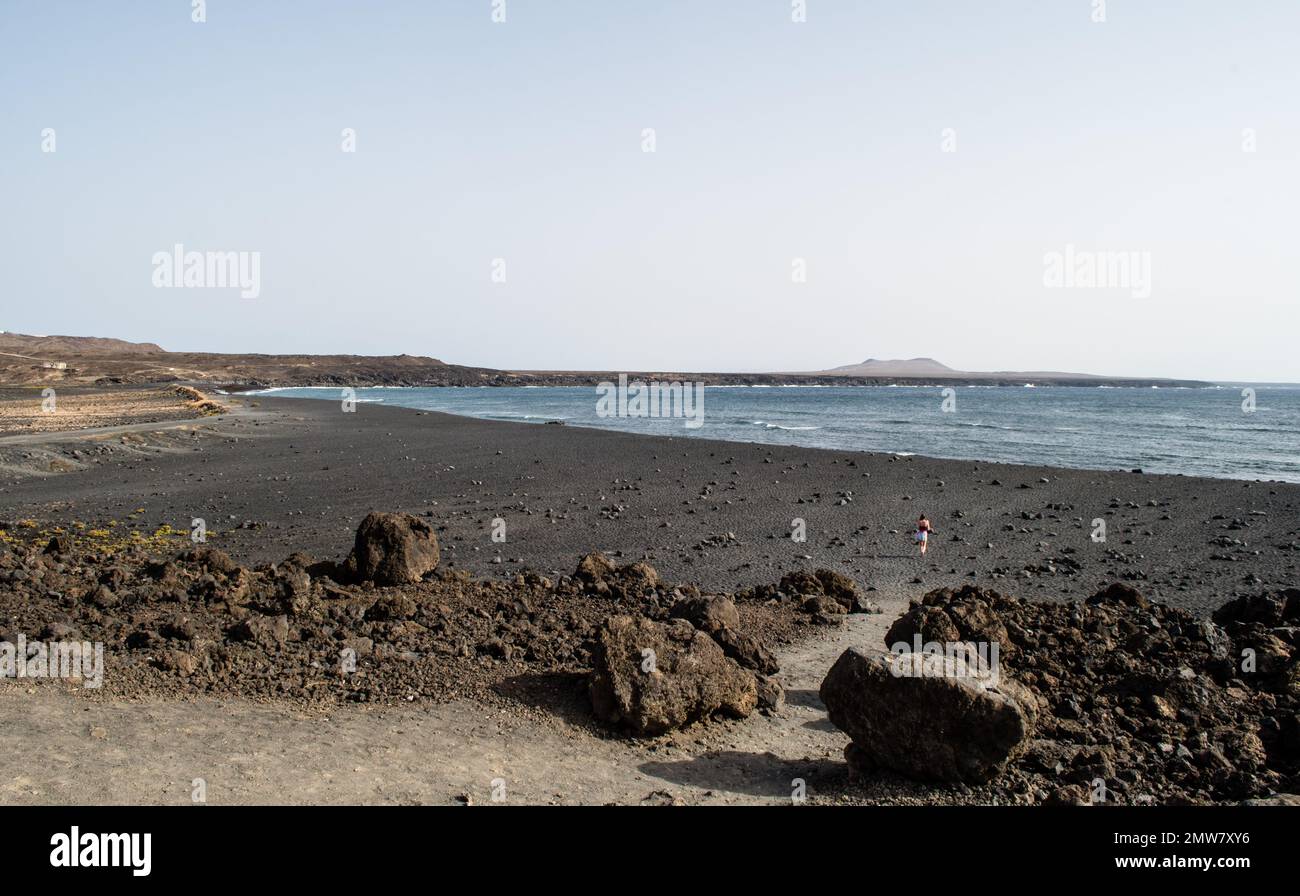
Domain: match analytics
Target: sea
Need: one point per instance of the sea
(1229, 431)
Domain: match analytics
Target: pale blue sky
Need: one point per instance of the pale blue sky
(775, 141)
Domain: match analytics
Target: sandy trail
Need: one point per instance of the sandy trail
(64, 749)
(58, 437)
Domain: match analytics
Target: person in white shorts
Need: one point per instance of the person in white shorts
(923, 530)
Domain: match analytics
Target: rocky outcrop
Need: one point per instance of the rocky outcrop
(1135, 702)
(708, 613)
(747, 650)
(180, 618)
(633, 583)
(823, 594)
(718, 616)
(946, 616)
(393, 549)
(927, 716)
(652, 677)
(823, 582)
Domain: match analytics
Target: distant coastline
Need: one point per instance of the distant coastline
(87, 361)
(584, 378)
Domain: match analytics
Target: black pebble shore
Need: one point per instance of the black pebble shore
(298, 475)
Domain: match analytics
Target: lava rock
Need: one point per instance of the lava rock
(655, 677)
(393, 549)
(747, 650)
(826, 582)
(212, 559)
(771, 696)
(59, 544)
(268, 632)
(707, 613)
(930, 717)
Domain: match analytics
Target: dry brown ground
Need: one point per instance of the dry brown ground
(49, 409)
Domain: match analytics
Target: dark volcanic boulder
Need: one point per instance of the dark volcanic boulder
(838, 586)
(747, 650)
(59, 544)
(393, 549)
(947, 616)
(718, 616)
(635, 583)
(210, 558)
(593, 568)
(824, 610)
(707, 613)
(933, 624)
(1270, 609)
(1120, 593)
(824, 582)
(1160, 704)
(638, 579)
(771, 696)
(391, 608)
(268, 632)
(656, 677)
(929, 717)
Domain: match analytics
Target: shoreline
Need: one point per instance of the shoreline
(565, 490)
(732, 438)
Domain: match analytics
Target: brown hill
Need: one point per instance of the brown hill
(78, 360)
(910, 367)
(930, 369)
(84, 360)
(48, 346)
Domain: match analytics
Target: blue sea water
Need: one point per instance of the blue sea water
(1200, 432)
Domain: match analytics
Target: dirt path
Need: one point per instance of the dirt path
(62, 748)
(234, 411)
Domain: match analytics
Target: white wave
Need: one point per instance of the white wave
(275, 389)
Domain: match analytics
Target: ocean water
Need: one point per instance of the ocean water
(1201, 432)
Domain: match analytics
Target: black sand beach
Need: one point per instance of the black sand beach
(494, 672)
(283, 475)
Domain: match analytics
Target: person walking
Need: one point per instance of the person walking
(923, 530)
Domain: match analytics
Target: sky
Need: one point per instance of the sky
(884, 180)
